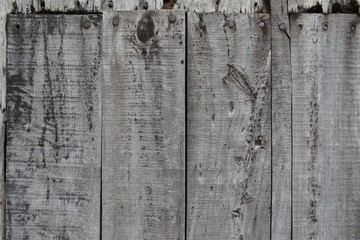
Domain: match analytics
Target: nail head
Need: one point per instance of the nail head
(87, 24)
(51, 24)
(115, 21)
(144, 20)
(282, 26)
(172, 18)
(231, 24)
(261, 24)
(325, 26)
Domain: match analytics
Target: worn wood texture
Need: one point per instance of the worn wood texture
(325, 59)
(228, 126)
(324, 6)
(5, 8)
(225, 6)
(143, 125)
(53, 127)
(281, 122)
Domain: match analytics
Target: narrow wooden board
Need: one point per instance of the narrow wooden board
(53, 127)
(4, 10)
(325, 6)
(228, 126)
(325, 58)
(281, 122)
(65, 6)
(225, 6)
(143, 125)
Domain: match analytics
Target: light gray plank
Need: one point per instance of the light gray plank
(4, 9)
(325, 6)
(66, 6)
(281, 122)
(144, 126)
(225, 6)
(325, 60)
(128, 5)
(53, 127)
(228, 126)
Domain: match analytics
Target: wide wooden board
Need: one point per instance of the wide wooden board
(228, 126)
(53, 129)
(143, 125)
(325, 58)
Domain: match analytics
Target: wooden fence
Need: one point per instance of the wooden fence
(180, 119)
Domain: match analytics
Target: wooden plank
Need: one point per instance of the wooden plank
(325, 60)
(228, 126)
(281, 122)
(324, 6)
(53, 127)
(128, 5)
(5, 8)
(65, 6)
(225, 6)
(143, 125)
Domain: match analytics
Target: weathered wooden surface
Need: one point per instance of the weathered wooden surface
(228, 6)
(325, 59)
(53, 127)
(228, 127)
(143, 125)
(225, 6)
(324, 6)
(4, 9)
(281, 122)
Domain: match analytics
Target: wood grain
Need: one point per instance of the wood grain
(4, 9)
(325, 61)
(144, 126)
(53, 127)
(281, 122)
(324, 6)
(228, 126)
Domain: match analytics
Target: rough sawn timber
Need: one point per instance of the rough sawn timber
(325, 59)
(143, 125)
(281, 121)
(53, 125)
(228, 126)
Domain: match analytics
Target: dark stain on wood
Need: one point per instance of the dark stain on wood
(145, 28)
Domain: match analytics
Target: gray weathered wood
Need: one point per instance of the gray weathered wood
(325, 6)
(281, 122)
(143, 125)
(225, 6)
(325, 58)
(228, 127)
(5, 7)
(31, 6)
(53, 127)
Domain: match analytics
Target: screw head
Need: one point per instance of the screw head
(145, 5)
(87, 24)
(144, 20)
(231, 24)
(261, 24)
(116, 21)
(51, 24)
(282, 26)
(172, 18)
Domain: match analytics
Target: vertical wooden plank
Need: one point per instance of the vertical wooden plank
(325, 59)
(53, 127)
(5, 8)
(281, 122)
(143, 125)
(228, 126)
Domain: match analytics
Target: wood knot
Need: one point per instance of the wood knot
(146, 29)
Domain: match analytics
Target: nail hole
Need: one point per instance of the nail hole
(17, 26)
(144, 52)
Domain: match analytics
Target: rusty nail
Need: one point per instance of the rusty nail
(282, 26)
(115, 21)
(144, 20)
(172, 18)
(231, 24)
(261, 24)
(51, 24)
(145, 5)
(325, 26)
(87, 24)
